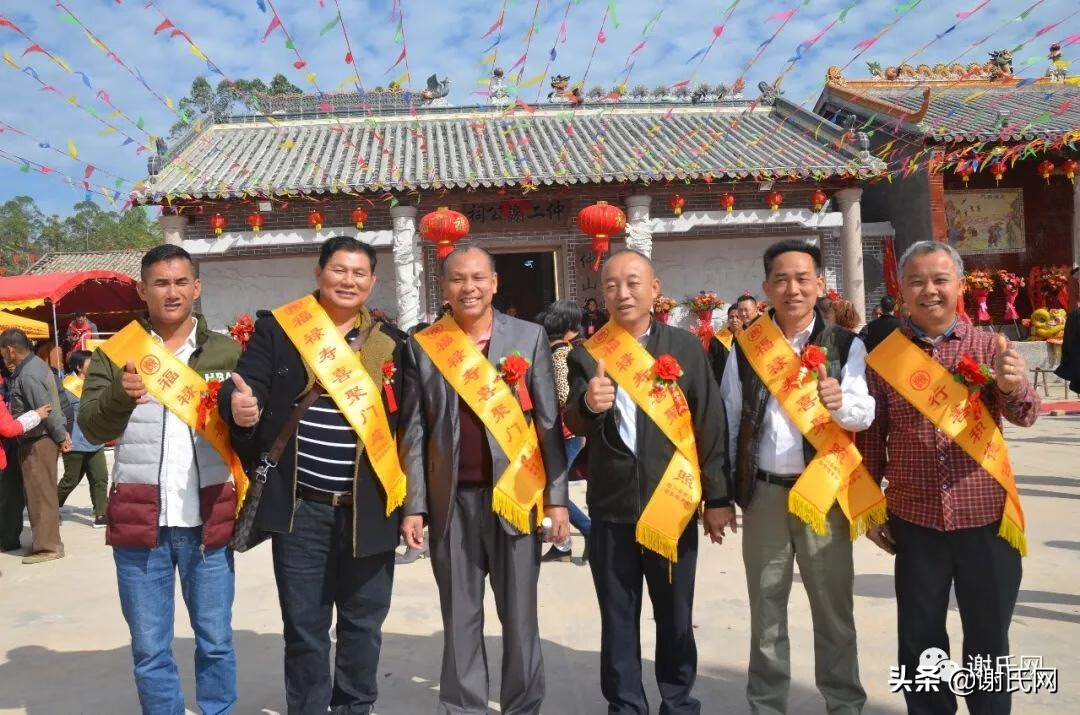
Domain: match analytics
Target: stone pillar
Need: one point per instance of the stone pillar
(174, 227)
(638, 233)
(851, 250)
(408, 267)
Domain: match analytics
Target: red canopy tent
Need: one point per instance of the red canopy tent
(108, 298)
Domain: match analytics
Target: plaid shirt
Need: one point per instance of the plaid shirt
(932, 481)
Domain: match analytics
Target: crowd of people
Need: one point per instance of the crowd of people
(340, 435)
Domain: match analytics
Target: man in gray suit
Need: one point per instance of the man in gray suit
(452, 462)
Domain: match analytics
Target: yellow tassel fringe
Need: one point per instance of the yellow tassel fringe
(868, 520)
(1014, 535)
(658, 543)
(801, 507)
(507, 508)
(396, 496)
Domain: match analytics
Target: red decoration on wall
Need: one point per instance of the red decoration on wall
(218, 223)
(1046, 168)
(600, 221)
(677, 202)
(998, 169)
(1069, 167)
(964, 171)
(775, 199)
(315, 219)
(444, 227)
(818, 199)
(727, 202)
(255, 220)
(359, 215)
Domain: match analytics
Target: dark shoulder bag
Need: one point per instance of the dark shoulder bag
(246, 535)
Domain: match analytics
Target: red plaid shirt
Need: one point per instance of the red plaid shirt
(932, 481)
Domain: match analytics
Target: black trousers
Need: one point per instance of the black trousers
(316, 572)
(618, 566)
(985, 572)
(12, 499)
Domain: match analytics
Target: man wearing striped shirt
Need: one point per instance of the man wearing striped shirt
(333, 542)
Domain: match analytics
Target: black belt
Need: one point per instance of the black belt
(787, 481)
(309, 494)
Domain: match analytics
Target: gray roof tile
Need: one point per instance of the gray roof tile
(126, 262)
(485, 147)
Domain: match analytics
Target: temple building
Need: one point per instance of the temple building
(980, 158)
(706, 178)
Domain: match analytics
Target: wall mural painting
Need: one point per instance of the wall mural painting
(990, 221)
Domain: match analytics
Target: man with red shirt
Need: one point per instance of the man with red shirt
(946, 511)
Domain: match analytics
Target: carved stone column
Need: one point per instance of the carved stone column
(174, 228)
(408, 267)
(638, 233)
(851, 253)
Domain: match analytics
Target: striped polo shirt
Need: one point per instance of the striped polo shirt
(325, 448)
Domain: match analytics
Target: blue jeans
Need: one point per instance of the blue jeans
(146, 579)
(578, 519)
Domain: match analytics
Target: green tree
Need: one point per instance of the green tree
(221, 99)
(280, 85)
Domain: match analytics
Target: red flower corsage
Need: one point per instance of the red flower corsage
(666, 371)
(207, 401)
(242, 329)
(813, 357)
(512, 369)
(388, 371)
(973, 375)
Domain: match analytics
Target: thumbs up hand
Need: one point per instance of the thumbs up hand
(601, 393)
(829, 392)
(132, 383)
(1008, 366)
(245, 406)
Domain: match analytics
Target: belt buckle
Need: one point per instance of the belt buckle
(336, 500)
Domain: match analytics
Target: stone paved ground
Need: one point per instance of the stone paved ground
(64, 644)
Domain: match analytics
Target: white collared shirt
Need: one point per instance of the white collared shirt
(626, 409)
(781, 447)
(179, 475)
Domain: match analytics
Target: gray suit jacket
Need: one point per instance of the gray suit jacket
(429, 446)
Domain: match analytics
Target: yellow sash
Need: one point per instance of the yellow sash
(725, 337)
(836, 473)
(521, 487)
(74, 384)
(932, 390)
(339, 370)
(678, 495)
(179, 388)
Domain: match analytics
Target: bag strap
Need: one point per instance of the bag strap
(306, 401)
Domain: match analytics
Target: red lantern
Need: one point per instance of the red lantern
(727, 202)
(359, 215)
(1046, 168)
(218, 223)
(818, 199)
(315, 219)
(255, 220)
(998, 169)
(775, 199)
(965, 171)
(444, 227)
(677, 202)
(1069, 166)
(600, 221)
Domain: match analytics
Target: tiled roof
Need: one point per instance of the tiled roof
(973, 110)
(126, 262)
(486, 147)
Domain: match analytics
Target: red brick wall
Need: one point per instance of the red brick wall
(937, 205)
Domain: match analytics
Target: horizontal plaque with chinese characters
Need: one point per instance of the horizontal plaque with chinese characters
(517, 214)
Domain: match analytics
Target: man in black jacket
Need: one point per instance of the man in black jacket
(333, 542)
(880, 328)
(628, 454)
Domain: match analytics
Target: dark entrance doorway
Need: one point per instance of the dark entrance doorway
(526, 282)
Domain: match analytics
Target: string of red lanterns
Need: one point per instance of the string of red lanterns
(255, 221)
(218, 223)
(677, 202)
(315, 219)
(600, 221)
(359, 215)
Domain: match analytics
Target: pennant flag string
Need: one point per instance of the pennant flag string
(559, 33)
(528, 43)
(5, 126)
